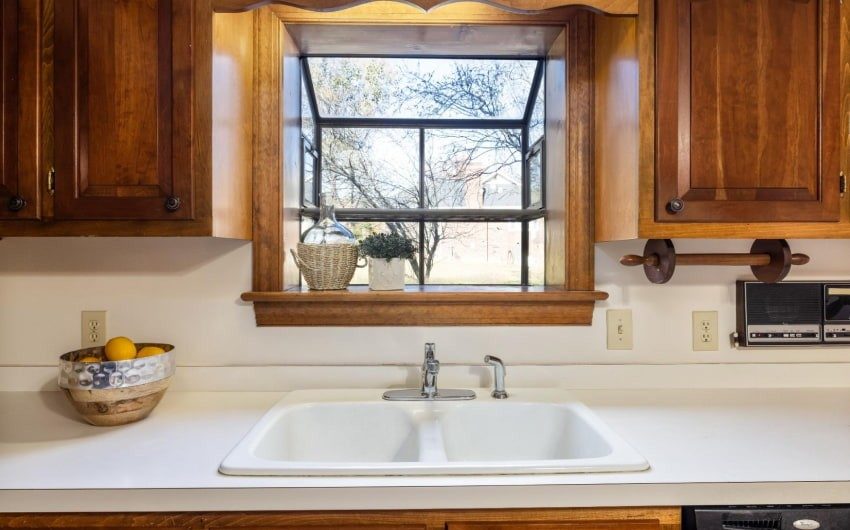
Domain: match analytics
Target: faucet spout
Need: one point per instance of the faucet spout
(498, 376)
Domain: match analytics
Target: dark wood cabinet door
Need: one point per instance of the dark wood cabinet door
(123, 120)
(567, 525)
(19, 64)
(336, 526)
(748, 100)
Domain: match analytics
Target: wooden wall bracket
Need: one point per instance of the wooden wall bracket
(769, 259)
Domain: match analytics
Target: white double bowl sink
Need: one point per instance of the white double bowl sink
(354, 432)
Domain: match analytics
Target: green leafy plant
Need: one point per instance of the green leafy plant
(387, 246)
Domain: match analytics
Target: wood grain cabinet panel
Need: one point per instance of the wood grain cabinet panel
(748, 100)
(335, 526)
(19, 63)
(508, 519)
(123, 114)
(575, 525)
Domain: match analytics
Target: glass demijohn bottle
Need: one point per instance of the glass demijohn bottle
(327, 230)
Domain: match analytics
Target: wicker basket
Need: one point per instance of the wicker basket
(326, 267)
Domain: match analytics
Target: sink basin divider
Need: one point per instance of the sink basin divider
(431, 446)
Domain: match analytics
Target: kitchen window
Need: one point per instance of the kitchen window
(468, 129)
(446, 151)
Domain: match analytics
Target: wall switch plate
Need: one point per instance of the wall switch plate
(705, 330)
(92, 329)
(619, 329)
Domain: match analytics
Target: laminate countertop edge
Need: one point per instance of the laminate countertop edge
(705, 446)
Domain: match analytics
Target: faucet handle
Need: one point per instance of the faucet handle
(430, 351)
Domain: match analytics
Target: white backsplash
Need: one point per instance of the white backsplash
(186, 291)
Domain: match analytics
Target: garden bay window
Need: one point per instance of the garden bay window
(448, 152)
(431, 124)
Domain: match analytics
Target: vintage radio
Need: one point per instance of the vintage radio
(791, 313)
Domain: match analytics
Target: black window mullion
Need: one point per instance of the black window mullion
(317, 187)
(525, 243)
(422, 196)
(421, 252)
(416, 123)
(422, 202)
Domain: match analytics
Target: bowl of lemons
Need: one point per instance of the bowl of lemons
(118, 383)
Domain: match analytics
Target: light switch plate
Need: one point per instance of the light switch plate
(705, 330)
(619, 329)
(92, 329)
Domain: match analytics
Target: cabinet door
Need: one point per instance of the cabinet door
(748, 110)
(335, 526)
(123, 84)
(568, 525)
(19, 63)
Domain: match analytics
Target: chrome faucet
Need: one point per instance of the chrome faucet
(429, 390)
(498, 376)
(430, 370)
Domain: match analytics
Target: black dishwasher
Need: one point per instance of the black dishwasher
(784, 517)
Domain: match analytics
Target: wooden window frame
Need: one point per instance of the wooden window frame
(569, 296)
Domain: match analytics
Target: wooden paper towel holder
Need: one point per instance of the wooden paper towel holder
(769, 259)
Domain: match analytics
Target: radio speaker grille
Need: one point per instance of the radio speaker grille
(784, 303)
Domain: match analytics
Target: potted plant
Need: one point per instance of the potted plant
(387, 254)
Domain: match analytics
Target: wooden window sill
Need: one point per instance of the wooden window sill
(436, 305)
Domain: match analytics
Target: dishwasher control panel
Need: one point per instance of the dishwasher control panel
(784, 517)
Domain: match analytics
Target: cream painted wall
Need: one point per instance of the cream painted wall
(186, 291)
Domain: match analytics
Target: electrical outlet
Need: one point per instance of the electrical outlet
(93, 329)
(619, 329)
(705, 330)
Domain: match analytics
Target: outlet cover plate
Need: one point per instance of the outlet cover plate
(705, 332)
(92, 329)
(619, 329)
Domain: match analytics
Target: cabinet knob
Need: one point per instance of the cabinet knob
(172, 204)
(675, 205)
(16, 204)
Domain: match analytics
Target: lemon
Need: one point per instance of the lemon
(89, 359)
(120, 349)
(150, 351)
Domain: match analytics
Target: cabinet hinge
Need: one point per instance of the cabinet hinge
(51, 181)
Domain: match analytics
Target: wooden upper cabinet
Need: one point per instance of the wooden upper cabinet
(19, 63)
(11, 202)
(748, 108)
(123, 109)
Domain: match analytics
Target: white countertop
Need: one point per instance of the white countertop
(723, 446)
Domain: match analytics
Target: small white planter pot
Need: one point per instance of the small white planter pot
(386, 274)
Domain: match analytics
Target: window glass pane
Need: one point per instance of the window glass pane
(408, 230)
(476, 168)
(537, 123)
(536, 252)
(306, 223)
(308, 124)
(473, 253)
(309, 177)
(371, 168)
(368, 87)
(535, 179)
